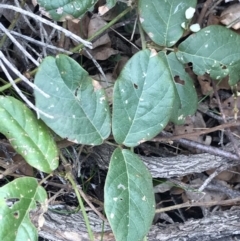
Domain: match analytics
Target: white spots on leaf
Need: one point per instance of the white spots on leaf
(183, 25)
(73, 116)
(180, 117)
(102, 99)
(51, 106)
(207, 32)
(126, 102)
(218, 77)
(144, 198)
(172, 42)
(115, 199)
(1, 217)
(144, 75)
(112, 215)
(153, 53)
(129, 118)
(122, 90)
(141, 99)
(206, 45)
(59, 10)
(150, 34)
(57, 89)
(195, 27)
(141, 141)
(189, 13)
(141, 20)
(121, 186)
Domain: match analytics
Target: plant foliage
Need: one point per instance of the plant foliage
(77, 103)
(17, 199)
(129, 200)
(29, 136)
(152, 90)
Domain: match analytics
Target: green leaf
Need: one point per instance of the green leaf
(29, 136)
(185, 103)
(129, 198)
(60, 10)
(142, 99)
(17, 199)
(77, 103)
(162, 19)
(214, 50)
(111, 3)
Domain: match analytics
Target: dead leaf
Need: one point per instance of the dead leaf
(206, 196)
(119, 66)
(225, 175)
(103, 9)
(108, 87)
(79, 27)
(102, 52)
(231, 14)
(96, 85)
(95, 24)
(206, 84)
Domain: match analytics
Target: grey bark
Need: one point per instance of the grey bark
(167, 167)
(219, 226)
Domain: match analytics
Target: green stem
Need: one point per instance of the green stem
(85, 217)
(74, 186)
(142, 36)
(104, 28)
(7, 86)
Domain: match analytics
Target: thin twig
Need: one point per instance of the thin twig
(209, 149)
(205, 7)
(6, 31)
(228, 202)
(197, 133)
(21, 94)
(228, 131)
(90, 204)
(65, 31)
(29, 39)
(9, 64)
